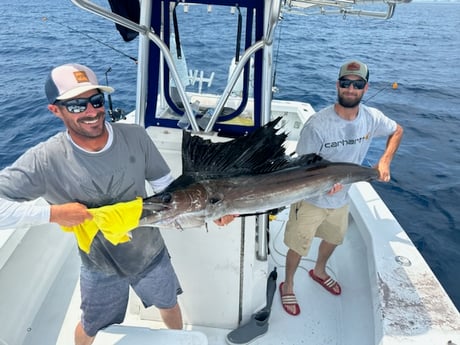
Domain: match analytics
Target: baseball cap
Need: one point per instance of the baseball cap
(354, 68)
(70, 80)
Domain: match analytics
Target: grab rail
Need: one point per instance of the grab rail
(148, 32)
(143, 30)
(345, 6)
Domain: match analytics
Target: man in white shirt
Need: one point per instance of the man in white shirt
(341, 132)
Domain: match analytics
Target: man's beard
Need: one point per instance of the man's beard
(348, 103)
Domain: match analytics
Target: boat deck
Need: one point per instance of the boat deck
(324, 316)
(367, 312)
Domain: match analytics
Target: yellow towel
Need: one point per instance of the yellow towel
(115, 221)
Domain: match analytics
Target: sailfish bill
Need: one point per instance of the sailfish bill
(247, 175)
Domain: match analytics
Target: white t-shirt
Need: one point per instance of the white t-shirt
(338, 140)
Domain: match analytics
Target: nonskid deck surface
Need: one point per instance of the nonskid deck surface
(324, 318)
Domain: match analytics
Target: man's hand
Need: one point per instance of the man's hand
(335, 188)
(227, 219)
(384, 171)
(69, 214)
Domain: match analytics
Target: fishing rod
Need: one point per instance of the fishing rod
(274, 87)
(117, 114)
(93, 38)
(394, 86)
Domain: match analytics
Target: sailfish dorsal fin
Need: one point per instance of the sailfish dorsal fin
(240, 156)
(259, 152)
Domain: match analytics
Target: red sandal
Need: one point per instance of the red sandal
(329, 284)
(287, 300)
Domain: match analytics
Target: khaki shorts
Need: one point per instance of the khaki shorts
(307, 221)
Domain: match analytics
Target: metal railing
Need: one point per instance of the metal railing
(155, 38)
(346, 7)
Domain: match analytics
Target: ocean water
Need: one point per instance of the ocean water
(418, 49)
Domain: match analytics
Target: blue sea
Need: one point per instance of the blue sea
(419, 49)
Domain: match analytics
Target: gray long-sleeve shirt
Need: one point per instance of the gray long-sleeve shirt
(61, 172)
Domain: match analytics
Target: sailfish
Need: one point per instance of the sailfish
(247, 175)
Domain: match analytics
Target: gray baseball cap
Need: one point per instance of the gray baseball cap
(354, 68)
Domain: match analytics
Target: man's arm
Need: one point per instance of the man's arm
(14, 213)
(160, 184)
(383, 165)
(36, 212)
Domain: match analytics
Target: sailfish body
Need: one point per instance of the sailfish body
(247, 175)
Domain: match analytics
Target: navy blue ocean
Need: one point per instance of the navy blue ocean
(419, 49)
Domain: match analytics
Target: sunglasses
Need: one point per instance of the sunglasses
(79, 105)
(357, 84)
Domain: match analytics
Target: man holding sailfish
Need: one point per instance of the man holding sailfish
(78, 172)
(340, 132)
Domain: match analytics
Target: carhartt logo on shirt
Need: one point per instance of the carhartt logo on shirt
(345, 142)
(81, 77)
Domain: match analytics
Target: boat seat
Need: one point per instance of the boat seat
(126, 335)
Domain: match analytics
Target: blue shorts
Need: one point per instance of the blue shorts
(104, 298)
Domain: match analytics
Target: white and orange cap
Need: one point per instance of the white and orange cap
(70, 80)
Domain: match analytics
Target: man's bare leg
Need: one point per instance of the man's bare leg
(81, 338)
(324, 253)
(172, 317)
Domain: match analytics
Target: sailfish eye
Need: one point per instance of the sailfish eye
(166, 197)
(213, 200)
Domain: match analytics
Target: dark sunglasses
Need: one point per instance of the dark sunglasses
(357, 84)
(79, 105)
